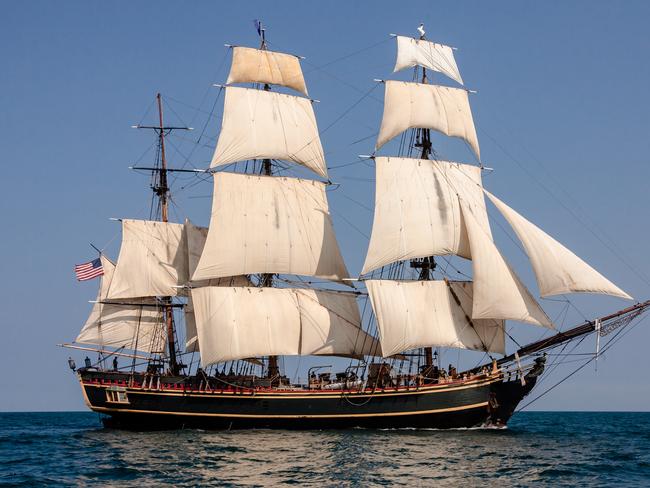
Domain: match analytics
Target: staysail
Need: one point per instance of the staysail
(264, 224)
(251, 65)
(419, 52)
(498, 291)
(413, 314)
(444, 109)
(557, 269)
(241, 322)
(260, 124)
(191, 336)
(417, 211)
(132, 326)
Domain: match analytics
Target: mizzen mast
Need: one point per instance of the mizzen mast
(160, 187)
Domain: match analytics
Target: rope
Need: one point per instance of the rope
(619, 335)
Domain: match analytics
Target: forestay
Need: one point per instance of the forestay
(498, 291)
(268, 125)
(152, 261)
(130, 326)
(417, 211)
(418, 52)
(557, 269)
(251, 65)
(413, 314)
(415, 105)
(264, 224)
(241, 322)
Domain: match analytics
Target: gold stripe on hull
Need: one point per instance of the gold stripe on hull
(279, 416)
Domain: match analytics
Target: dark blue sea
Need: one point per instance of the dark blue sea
(547, 448)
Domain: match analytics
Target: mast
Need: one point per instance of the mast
(425, 265)
(266, 279)
(161, 189)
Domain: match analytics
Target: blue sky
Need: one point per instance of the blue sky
(561, 112)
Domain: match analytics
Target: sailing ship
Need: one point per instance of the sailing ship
(267, 279)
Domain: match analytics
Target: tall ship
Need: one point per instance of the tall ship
(191, 324)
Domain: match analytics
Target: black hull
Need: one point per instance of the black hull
(481, 402)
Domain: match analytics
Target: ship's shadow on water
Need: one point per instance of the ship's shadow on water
(585, 449)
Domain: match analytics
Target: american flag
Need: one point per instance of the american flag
(89, 270)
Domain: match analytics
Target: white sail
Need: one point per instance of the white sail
(413, 314)
(498, 291)
(261, 66)
(417, 212)
(131, 327)
(266, 224)
(191, 337)
(269, 125)
(557, 269)
(415, 105)
(236, 323)
(418, 52)
(152, 260)
(196, 237)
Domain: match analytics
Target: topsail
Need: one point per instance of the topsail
(417, 211)
(265, 224)
(152, 261)
(417, 105)
(269, 125)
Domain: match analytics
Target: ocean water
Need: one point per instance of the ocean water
(556, 449)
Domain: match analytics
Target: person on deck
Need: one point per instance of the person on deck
(87, 362)
(115, 363)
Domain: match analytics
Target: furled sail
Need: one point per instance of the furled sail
(152, 260)
(131, 326)
(413, 314)
(418, 52)
(557, 269)
(417, 212)
(498, 291)
(269, 125)
(241, 322)
(261, 66)
(416, 105)
(266, 224)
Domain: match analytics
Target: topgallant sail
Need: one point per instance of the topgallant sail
(266, 279)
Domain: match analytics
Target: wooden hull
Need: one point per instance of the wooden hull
(483, 401)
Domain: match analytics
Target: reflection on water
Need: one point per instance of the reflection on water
(557, 448)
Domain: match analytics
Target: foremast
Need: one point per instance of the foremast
(427, 264)
(266, 279)
(428, 207)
